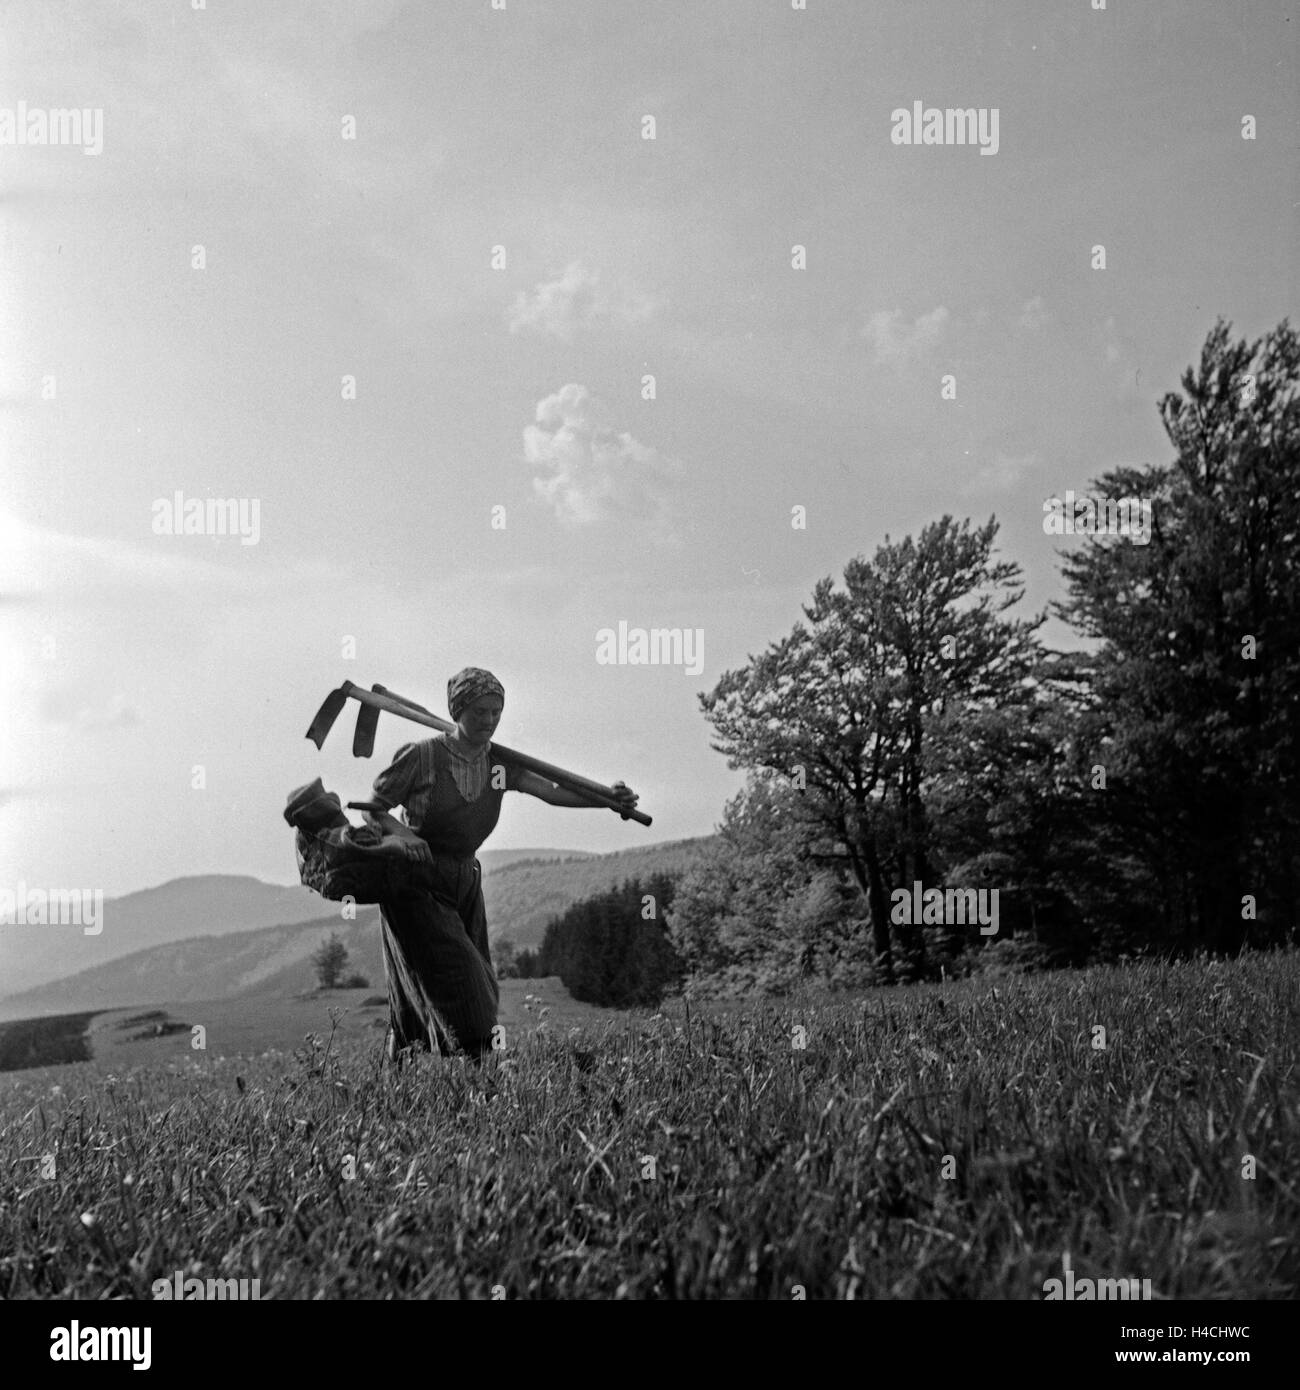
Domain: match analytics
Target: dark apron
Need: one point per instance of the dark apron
(442, 988)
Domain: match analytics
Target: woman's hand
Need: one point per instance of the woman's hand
(626, 796)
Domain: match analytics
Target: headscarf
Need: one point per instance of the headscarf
(469, 685)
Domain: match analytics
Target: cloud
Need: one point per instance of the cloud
(1001, 473)
(894, 342)
(1114, 348)
(1121, 357)
(558, 308)
(1033, 314)
(277, 102)
(40, 558)
(37, 563)
(587, 471)
(67, 706)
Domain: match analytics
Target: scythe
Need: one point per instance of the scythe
(379, 699)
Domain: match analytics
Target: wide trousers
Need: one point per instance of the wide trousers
(442, 989)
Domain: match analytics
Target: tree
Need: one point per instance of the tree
(762, 908)
(330, 960)
(606, 952)
(1197, 675)
(841, 707)
(505, 958)
(1012, 797)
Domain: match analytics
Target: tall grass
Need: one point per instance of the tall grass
(958, 1141)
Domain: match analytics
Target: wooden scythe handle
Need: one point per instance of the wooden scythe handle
(398, 704)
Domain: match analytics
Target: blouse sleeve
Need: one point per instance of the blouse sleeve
(395, 783)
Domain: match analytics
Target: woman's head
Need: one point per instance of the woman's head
(475, 698)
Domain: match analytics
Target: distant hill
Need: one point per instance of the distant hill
(200, 905)
(494, 859)
(205, 951)
(522, 897)
(203, 905)
(270, 960)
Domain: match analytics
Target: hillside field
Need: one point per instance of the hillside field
(957, 1141)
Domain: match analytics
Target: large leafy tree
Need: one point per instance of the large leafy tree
(841, 707)
(1196, 675)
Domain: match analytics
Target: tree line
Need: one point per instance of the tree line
(611, 948)
(1140, 794)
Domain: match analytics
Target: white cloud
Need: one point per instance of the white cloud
(1001, 473)
(40, 559)
(1118, 346)
(1121, 355)
(66, 706)
(577, 300)
(277, 102)
(590, 472)
(1033, 314)
(894, 342)
(37, 562)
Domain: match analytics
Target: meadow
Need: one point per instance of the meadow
(958, 1141)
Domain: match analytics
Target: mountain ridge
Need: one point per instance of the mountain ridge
(226, 957)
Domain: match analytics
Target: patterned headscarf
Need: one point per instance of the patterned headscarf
(469, 685)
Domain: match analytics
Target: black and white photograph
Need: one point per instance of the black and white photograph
(650, 652)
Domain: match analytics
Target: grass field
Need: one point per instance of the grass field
(961, 1141)
(249, 1024)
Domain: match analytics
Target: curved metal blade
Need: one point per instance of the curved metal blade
(326, 715)
(363, 739)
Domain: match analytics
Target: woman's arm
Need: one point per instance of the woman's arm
(547, 791)
(396, 782)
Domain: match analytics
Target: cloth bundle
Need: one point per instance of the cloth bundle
(340, 860)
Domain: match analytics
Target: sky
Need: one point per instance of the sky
(394, 276)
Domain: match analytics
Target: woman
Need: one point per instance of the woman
(442, 990)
